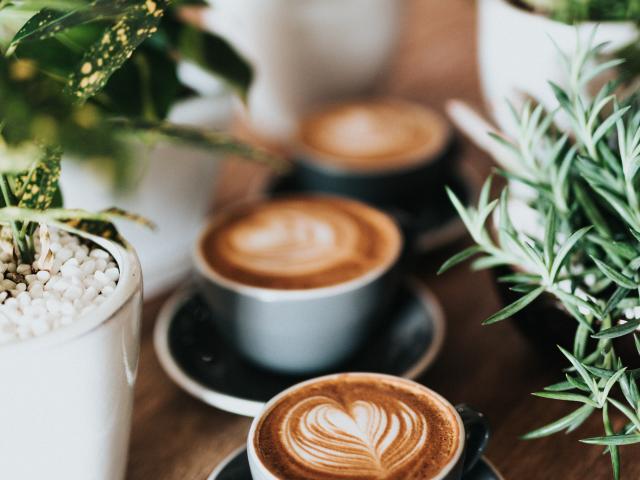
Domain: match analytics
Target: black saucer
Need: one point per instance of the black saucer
(236, 467)
(428, 219)
(195, 356)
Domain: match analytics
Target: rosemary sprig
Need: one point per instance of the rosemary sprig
(583, 242)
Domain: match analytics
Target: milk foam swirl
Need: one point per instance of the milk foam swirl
(301, 242)
(366, 438)
(292, 240)
(373, 135)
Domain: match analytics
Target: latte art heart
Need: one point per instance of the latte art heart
(366, 438)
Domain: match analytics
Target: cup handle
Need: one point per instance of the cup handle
(477, 431)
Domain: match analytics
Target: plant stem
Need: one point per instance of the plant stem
(24, 253)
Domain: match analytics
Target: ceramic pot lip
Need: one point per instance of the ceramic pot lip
(453, 462)
(275, 294)
(129, 283)
(520, 10)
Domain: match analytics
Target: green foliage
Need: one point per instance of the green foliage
(572, 11)
(80, 77)
(582, 189)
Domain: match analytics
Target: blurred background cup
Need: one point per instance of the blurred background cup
(518, 54)
(383, 151)
(304, 328)
(306, 52)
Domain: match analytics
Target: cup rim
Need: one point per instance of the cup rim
(278, 294)
(453, 462)
(129, 283)
(312, 158)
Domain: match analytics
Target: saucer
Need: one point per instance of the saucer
(236, 467)
(194, 355)
(428, 220)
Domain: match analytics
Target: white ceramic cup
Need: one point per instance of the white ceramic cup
(517, 56)
(296, 331)
(473, 429)
(306, 52)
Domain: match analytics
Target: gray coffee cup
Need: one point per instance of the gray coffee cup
(296, 331)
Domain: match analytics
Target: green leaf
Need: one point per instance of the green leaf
(515, 307)
(581, 370)
(459, 258)
(614, 440)
(564, 251)
(215, 55)
(578, 416)
(567, 397)
(550, 236)
(115, 46)
(619, 330)
(613, 450)
(613, 275)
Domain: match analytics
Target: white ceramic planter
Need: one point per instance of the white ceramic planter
(306, 52)
(517, 57)
(175, 192)
(66, 397)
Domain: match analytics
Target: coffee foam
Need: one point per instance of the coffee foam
(360, 427)
(301, 242)
(372, 136)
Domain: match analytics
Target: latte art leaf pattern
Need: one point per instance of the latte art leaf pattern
(367, 438)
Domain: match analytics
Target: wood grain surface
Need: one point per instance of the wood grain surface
(176, 437)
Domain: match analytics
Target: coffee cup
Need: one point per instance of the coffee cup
(295, 282)
(364, 425)
(383, 151)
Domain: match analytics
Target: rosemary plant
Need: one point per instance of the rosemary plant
(582, 186)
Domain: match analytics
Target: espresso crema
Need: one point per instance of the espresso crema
(301, 242)
(358, 427)
(375, 135)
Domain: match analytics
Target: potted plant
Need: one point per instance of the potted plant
(155, 86)
(70, 286)
(516, 57)
(580, 209)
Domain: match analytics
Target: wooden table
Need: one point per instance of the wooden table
(176, 437)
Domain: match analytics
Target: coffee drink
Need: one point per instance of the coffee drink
(300, 242)
(373, 136)
(357, 426)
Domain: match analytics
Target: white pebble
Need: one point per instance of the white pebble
(78, 280)
(73, 292)
(43, 276)
(23, 269)
(113, 274)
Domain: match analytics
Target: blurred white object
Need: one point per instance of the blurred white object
(67, 396)
(517, 56)
(306, 52)
(174, 192)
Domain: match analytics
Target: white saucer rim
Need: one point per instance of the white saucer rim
(229, 458)
(222, 401)
(252, 408)
(225, 462)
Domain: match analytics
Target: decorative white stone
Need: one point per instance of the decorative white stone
(80, 279)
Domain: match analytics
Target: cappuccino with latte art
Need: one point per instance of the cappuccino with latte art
(301, 243)
(296, 282)
(357, 426)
